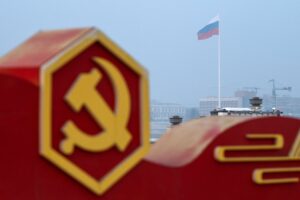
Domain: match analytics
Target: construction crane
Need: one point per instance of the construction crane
(274, 89)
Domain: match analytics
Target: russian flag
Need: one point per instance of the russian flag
(212, 28)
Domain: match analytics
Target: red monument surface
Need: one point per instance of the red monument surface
(75, 125)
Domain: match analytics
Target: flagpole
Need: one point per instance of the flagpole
(206, 32)
(219, 67)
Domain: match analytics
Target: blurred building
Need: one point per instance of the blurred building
(207, 104)
(191, 113)
(160, 114)
(163, 111)
(288, 105)
(245, 95)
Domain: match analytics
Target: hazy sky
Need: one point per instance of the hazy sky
(259, 40)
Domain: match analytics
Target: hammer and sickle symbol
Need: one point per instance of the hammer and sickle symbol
(83, 93)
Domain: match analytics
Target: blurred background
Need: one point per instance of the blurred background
(259, 43)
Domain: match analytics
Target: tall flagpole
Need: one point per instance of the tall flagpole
(219, 67)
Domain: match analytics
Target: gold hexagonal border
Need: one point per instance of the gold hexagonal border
(46, 150)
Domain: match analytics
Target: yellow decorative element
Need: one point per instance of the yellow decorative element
(46, 150)
(258, 175)
(220, 151)
(84, 93)
(295, 150)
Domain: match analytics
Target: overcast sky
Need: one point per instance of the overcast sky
(259, 40)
